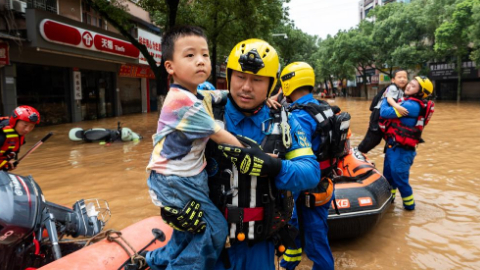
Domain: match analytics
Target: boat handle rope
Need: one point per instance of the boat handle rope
(114, 236)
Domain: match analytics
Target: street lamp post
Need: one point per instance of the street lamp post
(280, 35)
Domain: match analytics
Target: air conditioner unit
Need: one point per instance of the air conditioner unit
(19, 6)
(8, 4)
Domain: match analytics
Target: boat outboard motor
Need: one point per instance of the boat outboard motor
(102, 134)
(25, 215)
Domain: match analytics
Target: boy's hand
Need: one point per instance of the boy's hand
(187, 219)
(273, 103)
(401, 110)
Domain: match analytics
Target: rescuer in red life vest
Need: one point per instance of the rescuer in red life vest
(403, 134)
(12, 134)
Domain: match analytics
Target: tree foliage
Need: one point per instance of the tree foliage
(453, 36)
(397, 35)
(226, 22)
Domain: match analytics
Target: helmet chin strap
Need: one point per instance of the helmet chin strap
(252, 111)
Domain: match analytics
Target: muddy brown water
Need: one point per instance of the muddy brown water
(442, 233)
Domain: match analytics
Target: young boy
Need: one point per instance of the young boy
(393, 93)
(177, 164)
(403, 134)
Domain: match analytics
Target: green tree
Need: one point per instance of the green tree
(453, 36)
(322, 63)
(226, 22)
(296, 46)
(355, 48)
(475, 34)
(399, 37)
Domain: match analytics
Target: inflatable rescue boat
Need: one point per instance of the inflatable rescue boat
(33, 230)
(362, 196)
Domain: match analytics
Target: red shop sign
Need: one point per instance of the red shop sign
(61, 33)
(4, 60)
(134, 71)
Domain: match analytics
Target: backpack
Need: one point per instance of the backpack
(377, 98)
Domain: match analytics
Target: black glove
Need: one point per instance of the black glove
(251, 159)
(187, 219)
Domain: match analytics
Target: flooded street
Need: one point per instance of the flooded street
(442, 233)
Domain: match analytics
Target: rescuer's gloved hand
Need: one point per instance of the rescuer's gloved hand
(10, 154)
(9, 166)
(187, 219)
(251, 159)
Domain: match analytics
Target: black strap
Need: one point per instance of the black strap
(299, 204)
(334, 199)
(225, 259)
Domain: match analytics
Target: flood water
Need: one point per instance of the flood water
(442, 233)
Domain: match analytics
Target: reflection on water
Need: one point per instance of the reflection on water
(442, 233)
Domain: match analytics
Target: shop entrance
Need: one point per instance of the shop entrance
(97, 94)
(47, 89)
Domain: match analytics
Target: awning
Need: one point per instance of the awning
(8, 36)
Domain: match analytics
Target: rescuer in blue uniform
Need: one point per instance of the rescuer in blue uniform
(403, 134)
(298, 80)
(255, 193)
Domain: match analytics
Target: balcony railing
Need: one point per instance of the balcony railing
(48, 5)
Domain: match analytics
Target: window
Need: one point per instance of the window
(48, 5)
(91, 17)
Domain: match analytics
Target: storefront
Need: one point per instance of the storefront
(372, 84)
(445, 78)
(46, 88)
(70, 71)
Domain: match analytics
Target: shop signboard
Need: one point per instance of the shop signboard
(64, 34)
(221, 70)
(136, 71)
(77, 84)
(154, 46)
(4, 59)
(445, 71)
(351, 83)
(371, 79)
(384, 79)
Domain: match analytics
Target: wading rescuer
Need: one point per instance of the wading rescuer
(250, 187)
(12, 134)
(403, 134)
(316, 118)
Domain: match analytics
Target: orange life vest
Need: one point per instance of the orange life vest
(12, 142)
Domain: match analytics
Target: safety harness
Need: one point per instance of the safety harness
(333, 132)
(404, 136)
(253, 206)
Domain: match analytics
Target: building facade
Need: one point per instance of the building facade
(65, 60)
(365, 6)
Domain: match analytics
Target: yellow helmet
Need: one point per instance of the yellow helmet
(426, 86)
(296, 75)
(254, 56)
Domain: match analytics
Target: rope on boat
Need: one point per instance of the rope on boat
(114, 236)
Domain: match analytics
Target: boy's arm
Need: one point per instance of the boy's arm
(399, 109)
(224, 137)
(389, 112)
(218, 96)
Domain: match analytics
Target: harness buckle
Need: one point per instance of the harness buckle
(285, 128)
